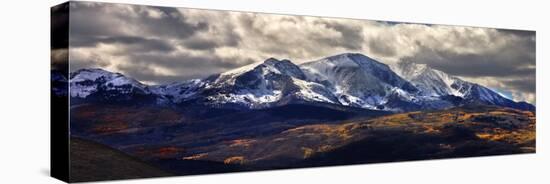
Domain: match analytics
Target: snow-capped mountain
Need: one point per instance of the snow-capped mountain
(429, 81)
(357, 80)
(435, 83)
(272, 82)
(349, 79)
(101, 85)
(177, 92)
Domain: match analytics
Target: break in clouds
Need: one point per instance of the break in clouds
(161, 45)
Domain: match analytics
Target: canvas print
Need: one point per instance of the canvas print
(146, 91)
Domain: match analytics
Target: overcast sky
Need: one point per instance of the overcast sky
(160, 45)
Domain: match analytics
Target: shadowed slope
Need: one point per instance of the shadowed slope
(92, 162)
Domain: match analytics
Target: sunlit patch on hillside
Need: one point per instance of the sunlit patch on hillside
(234, 160)
(195, 157)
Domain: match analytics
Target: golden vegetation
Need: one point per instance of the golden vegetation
(308, 152)
(241, 142)
(234, 160)
(324, 148)
(342, 131)
(521, 136)
(430, 129)
(196, 156)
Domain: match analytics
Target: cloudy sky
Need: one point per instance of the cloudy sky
(160, 45)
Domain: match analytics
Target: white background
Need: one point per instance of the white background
(24, 92)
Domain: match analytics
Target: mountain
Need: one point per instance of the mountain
(271, 83)
(104, 86)
(348, 79)
(435, 83)
(430, 82)
(360, 81)
(177, 92)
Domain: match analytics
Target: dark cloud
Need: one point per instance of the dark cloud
(519, 33)
(146, 73)
(352, 36)
(266, 42)
(298, 38)
(382, 46)
(105, 19)
(200, 44)
(93, 61)
(492, 64)
(142, 35)
(134, 43)
(186, 61)
(229, 37)
(525, 85)
(185, 66)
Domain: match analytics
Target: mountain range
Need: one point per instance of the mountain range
(342, 109)
(349, 79)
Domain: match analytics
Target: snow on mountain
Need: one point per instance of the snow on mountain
(357, 80)
(431, 82)
(177, 92)
(264, 84)
(85, 82)
(313, 91)
(269, 66)
(435, 83)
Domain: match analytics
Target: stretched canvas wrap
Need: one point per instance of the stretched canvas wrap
(144, 91)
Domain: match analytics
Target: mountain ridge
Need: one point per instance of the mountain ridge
(348, 79)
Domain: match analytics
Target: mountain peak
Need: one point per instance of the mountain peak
(86, 81)
(273, 64)
(349, 54)
(91, 74)
(409, 69)
(354, 59)
(431, 82)
(276, 63)
(285, 67)
(356, 79)
(92, 70)
(409, 63)
(272, 60)
(353, 56)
